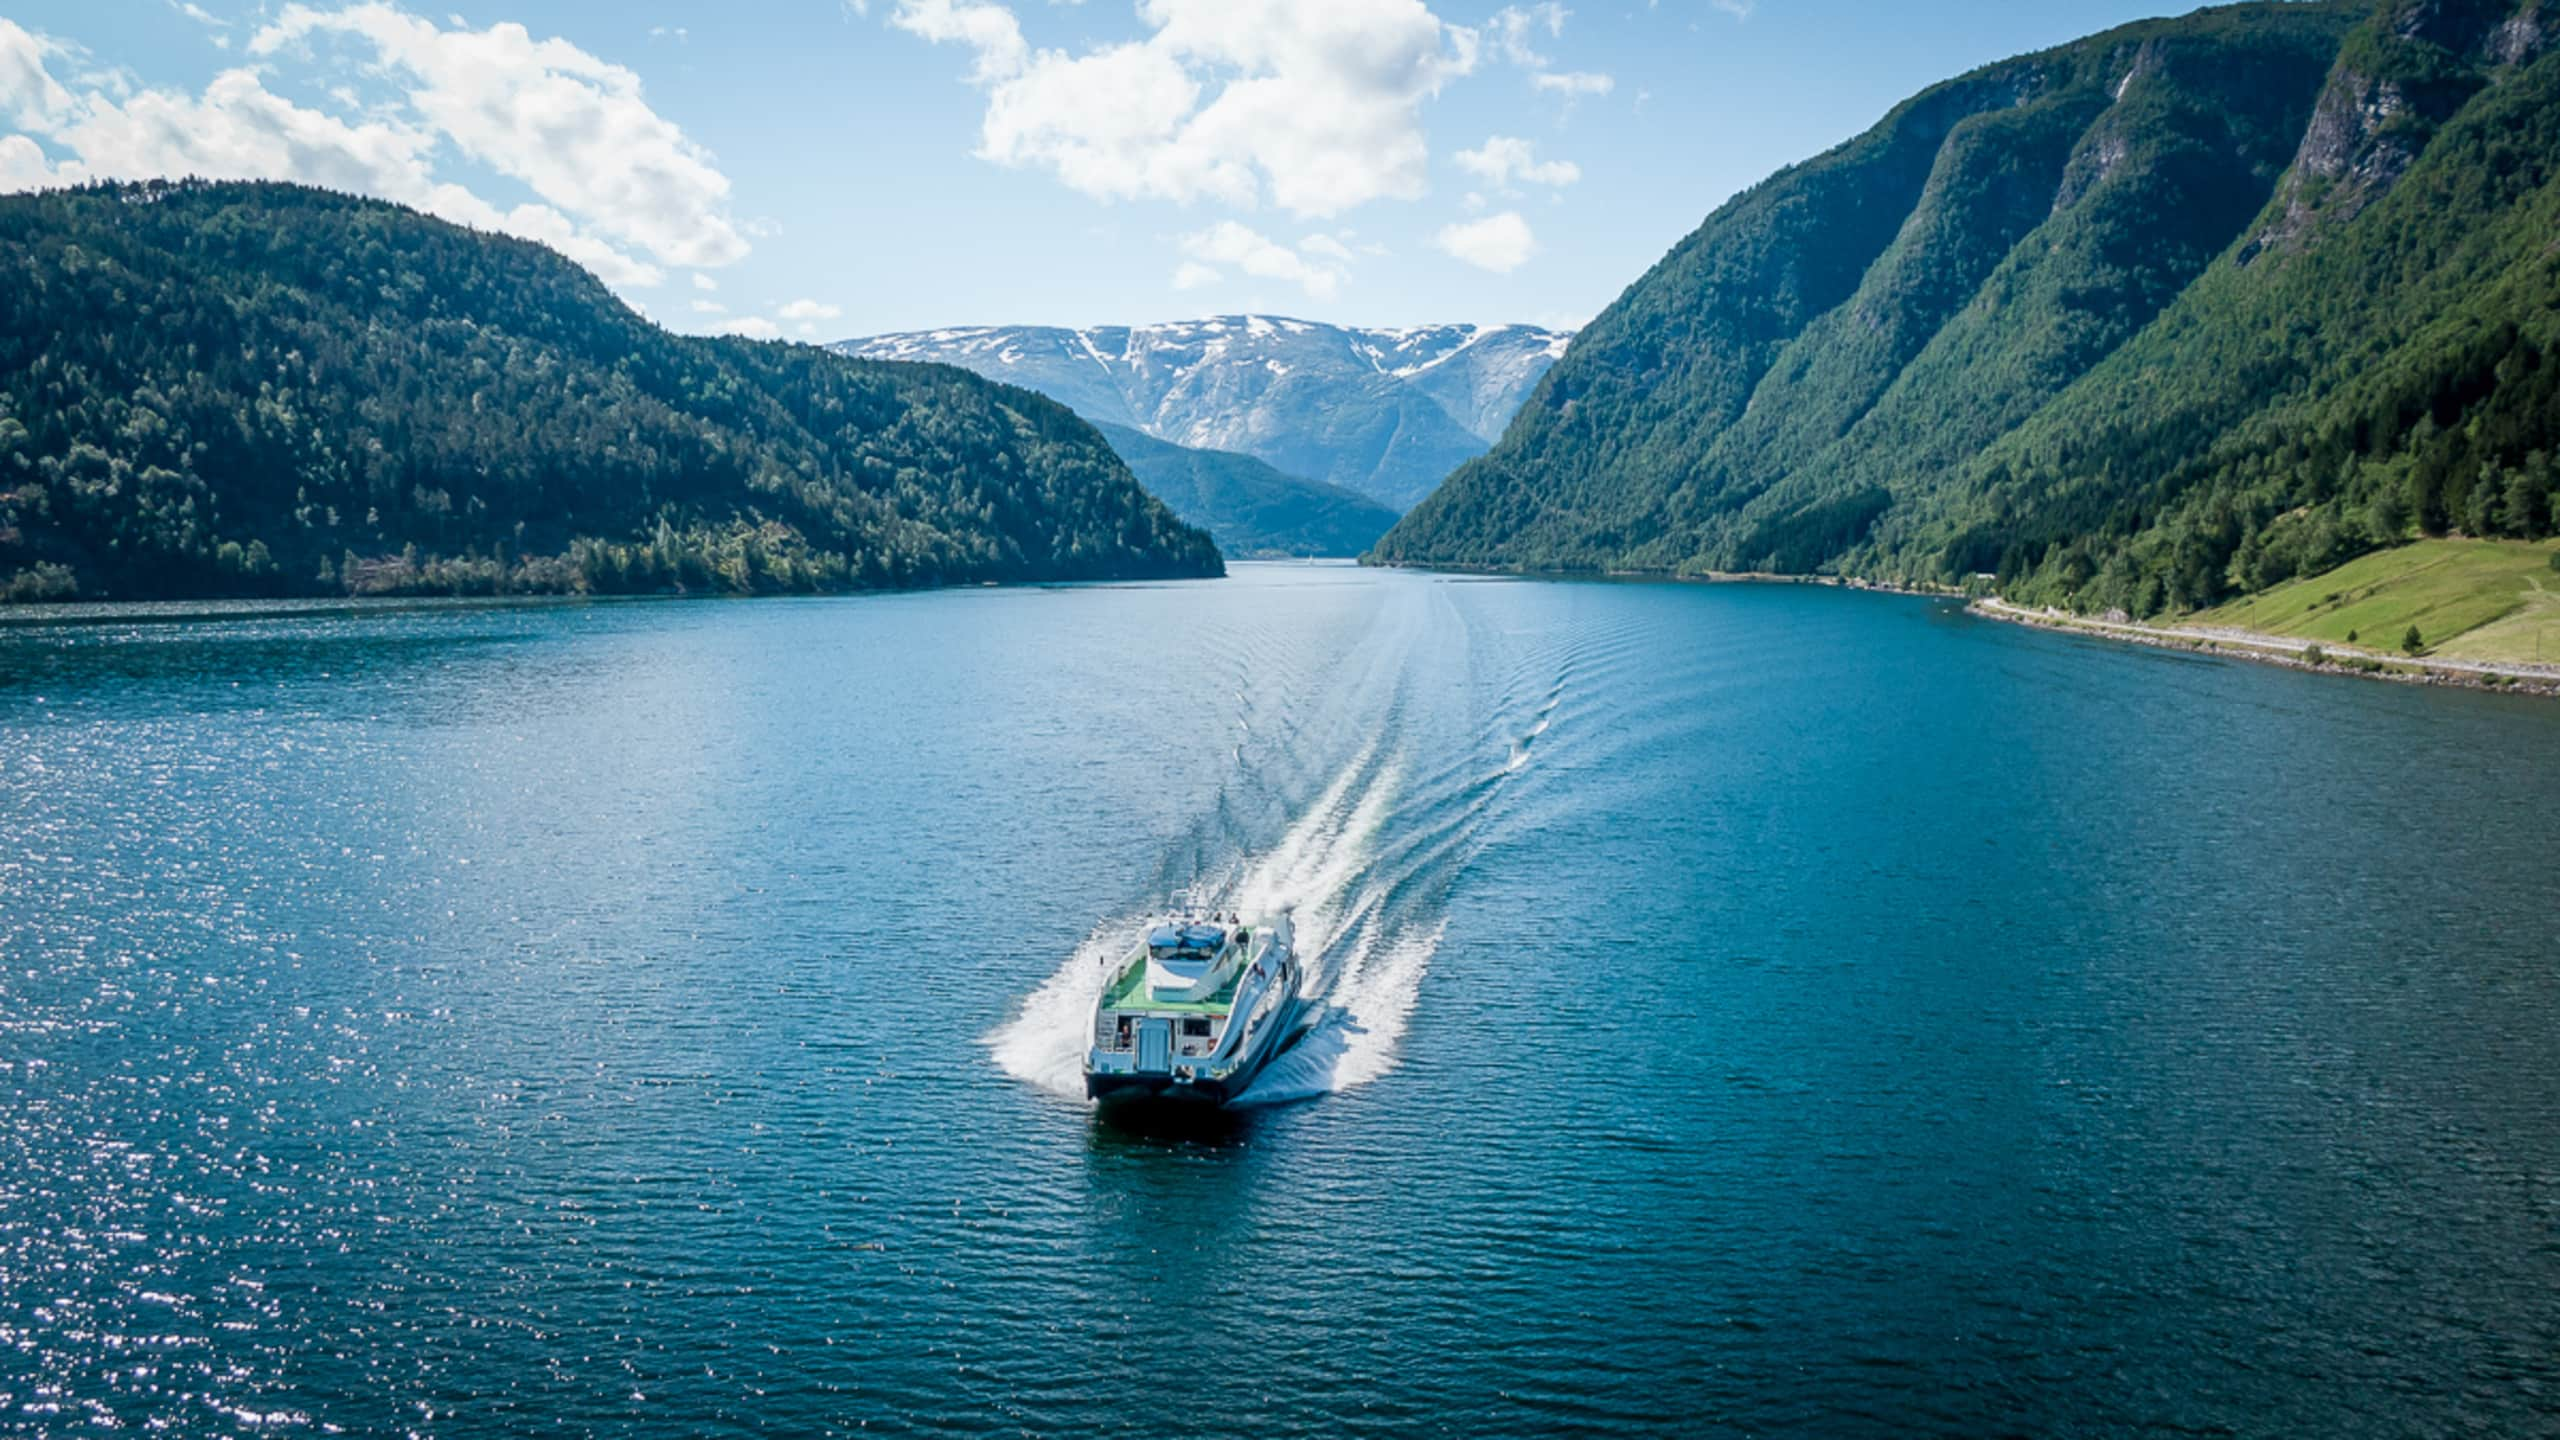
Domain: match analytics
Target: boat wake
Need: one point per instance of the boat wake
(1365, 867)
(1319, 873)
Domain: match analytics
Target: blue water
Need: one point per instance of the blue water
(1751, 1010)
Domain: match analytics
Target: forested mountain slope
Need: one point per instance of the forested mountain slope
(230, 389)
(2166, 314)
(1250, 509)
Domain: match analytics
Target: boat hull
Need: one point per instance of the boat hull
(1112, 1092)
(1124, 1089)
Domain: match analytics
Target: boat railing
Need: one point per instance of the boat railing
(1238, 1035)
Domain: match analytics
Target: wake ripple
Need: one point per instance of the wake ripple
(1365, 868)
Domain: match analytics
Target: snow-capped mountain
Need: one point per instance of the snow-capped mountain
(1383, 412)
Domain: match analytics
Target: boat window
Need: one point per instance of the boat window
(1195, 1025)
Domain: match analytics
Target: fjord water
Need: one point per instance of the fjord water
(1751, 1009)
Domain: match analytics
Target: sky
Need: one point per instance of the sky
(818, 169)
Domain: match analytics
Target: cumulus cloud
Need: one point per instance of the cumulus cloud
(704, 282)
(1249, 250)
(1500, 243)
(573, 128)
(753, 327)
(29, 95)
(1503, 159)
(990, 30)
(1314, 104)
(643, 185)
(810, 310)
(23, 165)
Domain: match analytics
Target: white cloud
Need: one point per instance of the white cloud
(1314, 103)
(1503, 159)
(477, 91)
(753, 327)
(709, 307)
(28, 94)
(1500, 243)
(1514, 31)
(704, 282)
(571, 127)
(1249, 250)
(1513, 27)
(1191, 275)
(810, 310)
(1573, 82)
(988, 29)
(1326, 246)
(23, 165)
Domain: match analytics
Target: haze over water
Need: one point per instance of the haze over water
(1751, 1009)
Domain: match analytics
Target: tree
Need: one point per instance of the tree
(2413, 642)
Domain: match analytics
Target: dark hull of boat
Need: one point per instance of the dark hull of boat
(1114, 1091)
(1164, 1092)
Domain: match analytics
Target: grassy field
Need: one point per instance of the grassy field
(2470, 599)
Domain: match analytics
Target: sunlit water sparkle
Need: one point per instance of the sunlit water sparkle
(1737, 1009)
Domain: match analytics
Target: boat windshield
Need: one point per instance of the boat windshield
(1185, 939)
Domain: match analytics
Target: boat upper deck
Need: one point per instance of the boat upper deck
(1129, 992)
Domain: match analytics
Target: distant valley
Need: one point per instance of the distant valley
(1253, 511)
(1385, 413)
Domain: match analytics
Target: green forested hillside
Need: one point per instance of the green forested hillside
(1250, 509)
(2164, 315)
(232, 389)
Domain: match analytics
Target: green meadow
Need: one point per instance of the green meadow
(2469, 599)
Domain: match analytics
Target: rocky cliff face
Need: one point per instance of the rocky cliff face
(1385, 413)
(2414, 66)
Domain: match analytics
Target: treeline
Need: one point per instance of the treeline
(229, 389)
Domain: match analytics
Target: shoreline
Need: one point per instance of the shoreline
(1667, 577)
(2496, 677)
(73, 614)
(2492, 676)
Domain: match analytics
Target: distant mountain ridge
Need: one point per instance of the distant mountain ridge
(1384, 412)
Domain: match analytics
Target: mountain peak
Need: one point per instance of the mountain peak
(1384, 411)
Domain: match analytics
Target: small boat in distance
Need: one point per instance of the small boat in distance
(1195, 1009)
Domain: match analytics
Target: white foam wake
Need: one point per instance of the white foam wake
(1315, 872)
(1353, 1040)
(1044, 1042)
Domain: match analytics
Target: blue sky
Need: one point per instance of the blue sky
(818, 169)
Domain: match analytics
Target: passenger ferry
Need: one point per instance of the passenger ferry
(1196, 1008)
